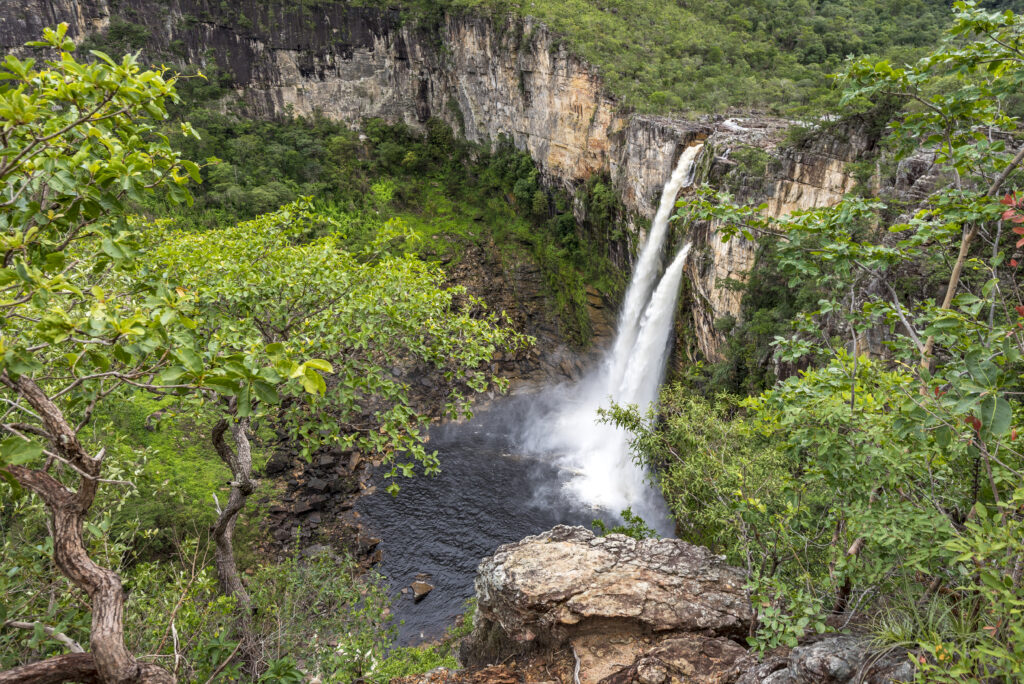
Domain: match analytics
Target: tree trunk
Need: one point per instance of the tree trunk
(239, 460)
(111, 660)
(74, 667)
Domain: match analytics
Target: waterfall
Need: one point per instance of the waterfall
(645, 365)
(567, 428)
(649, 262)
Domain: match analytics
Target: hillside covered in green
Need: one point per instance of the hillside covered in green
(775, 55)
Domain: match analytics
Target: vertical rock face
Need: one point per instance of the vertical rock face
(24, 20)
(487, 78)
(812, 174)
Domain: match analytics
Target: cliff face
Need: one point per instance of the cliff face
(812, 174)
(486, 78)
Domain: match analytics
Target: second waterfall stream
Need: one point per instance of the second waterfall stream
(596, 454)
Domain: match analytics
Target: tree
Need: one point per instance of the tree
(79, 141)
(282, 287)
(239, 324)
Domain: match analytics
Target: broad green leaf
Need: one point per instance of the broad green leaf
(266, 392)
(996, 415)
(17, 451)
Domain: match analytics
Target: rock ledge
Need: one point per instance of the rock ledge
(629, 610)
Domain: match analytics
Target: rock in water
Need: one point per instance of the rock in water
(629, 610)
(420, 590)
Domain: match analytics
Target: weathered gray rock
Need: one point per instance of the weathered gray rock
(630, 610)
(833, 660)
(829, 661)
(750, 670)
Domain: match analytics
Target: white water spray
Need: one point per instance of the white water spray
(597, 454)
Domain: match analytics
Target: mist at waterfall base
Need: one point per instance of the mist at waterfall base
(443, 526)
(534, 460)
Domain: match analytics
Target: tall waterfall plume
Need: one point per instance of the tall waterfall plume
(648, 264)
(596, 454)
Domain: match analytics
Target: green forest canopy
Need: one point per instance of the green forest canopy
(668, 55)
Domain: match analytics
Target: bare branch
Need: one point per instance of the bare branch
(63, 638)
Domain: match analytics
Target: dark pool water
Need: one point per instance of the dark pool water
(485, 496)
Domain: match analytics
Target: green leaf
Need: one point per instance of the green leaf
(7, 276)
(169, 376)
(266, 392)
(320, 365)
(190, 360)
(112, 249)
(984, 372)
(17, 451)
(312, 382)
(996, 415)
(244, 405)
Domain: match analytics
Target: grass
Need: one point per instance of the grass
(413, 660)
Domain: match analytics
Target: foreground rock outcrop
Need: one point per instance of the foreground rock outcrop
(627, 610)
(566, 606)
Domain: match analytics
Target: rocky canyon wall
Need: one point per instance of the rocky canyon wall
(487, 78)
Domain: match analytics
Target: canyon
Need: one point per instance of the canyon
(488, 78)
(596, 609)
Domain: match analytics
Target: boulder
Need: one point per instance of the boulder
(688, 658)
(656, 610)
(420, 590)
(833, 660)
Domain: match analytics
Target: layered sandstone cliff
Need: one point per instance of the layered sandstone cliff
(566, 606)
(487, 77)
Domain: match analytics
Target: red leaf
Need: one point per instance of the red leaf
(1018, 218)
(1008, 201)
(1013, 262)
(1013, 435)
(1019, 230)
(1020, 243)
(975, 423)
(1020, 309)
(1008, 214)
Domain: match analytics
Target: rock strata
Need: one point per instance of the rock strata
(627, 610)
(489, 80)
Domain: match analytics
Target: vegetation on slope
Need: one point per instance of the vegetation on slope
(448, 193)
(665, 55)
(707, 56)
(277, 327)
(881, 483)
